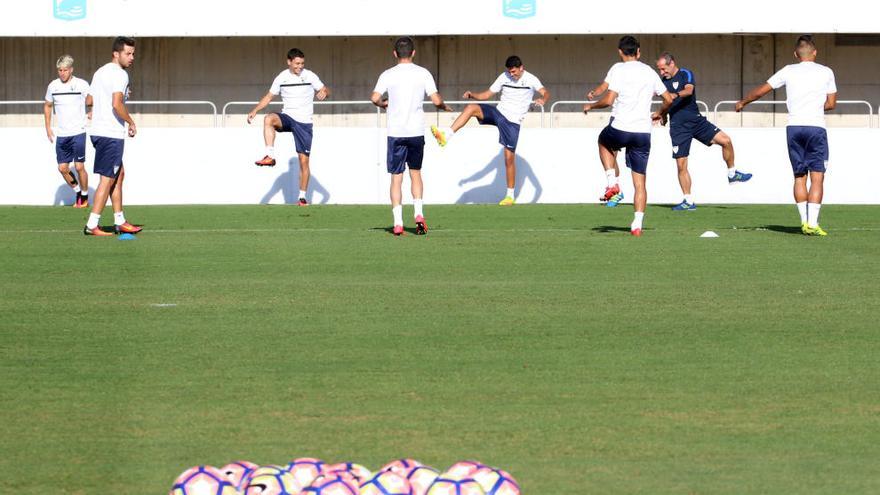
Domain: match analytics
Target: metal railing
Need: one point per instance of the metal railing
(870, 113)
(490, 102)
(704, 108)
(223, 113)
(178, 102)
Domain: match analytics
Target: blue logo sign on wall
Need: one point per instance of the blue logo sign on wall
(69, 10)
(519, 9)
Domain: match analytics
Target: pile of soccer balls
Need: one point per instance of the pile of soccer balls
(307, 476)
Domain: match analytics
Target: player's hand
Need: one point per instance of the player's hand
(132, 130)
(539, 102)
(321, 95)
(251, 116)
(587, 108)
(50, 135)
(447, 108)
(739, 106)
(383, 103)
(591, 95)
(89, 115)
(467, 95)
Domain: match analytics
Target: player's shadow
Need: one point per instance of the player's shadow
(607, 229)
(288, 184)
(64, 195)
(784, 229)
(492, 192)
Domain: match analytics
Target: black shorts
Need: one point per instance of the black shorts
(108, 155)
(637, 144)
(698, 128)
(405, 152)
(302, 133)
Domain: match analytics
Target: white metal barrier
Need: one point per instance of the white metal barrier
(870, 113)
(223, 113)
(704, 108)
(163, 102)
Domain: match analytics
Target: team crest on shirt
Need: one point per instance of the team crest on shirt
(674, 84)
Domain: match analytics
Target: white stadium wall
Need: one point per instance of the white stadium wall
(215, 166)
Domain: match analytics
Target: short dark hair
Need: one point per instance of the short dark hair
(295, 53)
(805, 39)
(513, 61)
(629, 45)
(121, 42)
(667, 57)
(405, 47)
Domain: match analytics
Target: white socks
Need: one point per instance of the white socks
(77, 189)
(689, 199)
(802, 210)
(397, 211)
(94, 218)
(417, 205)
(510, 192)
(637, 220)
(270, 151)
(731, 172)
(611, 175)
(302, 194)
(118, 218)
(813, 214)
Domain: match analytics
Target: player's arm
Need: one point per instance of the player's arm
(597, 91)
(664, 108)
(830, 101)
(90, 103)
(545, 96)
(377, 100)
(438, 102)
(753, 95)
(122, 112)
(606, 101)
(479, 96)
(684, 93)
(323, 93)
(47, 114)
(263, 103)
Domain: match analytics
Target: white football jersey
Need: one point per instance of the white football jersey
(407, 85)
(807, 85)
(516, 96)
(636, 84)
(69, 104)
(298, 93)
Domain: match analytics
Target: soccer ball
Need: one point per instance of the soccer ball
(449, 486)
(305, 470)
(360, 473)
(237, 471)
(332, 484)
(420, 479)
(386, 483)
(462, 469)
(202, 480)
(271, 480)
(496, 481)
(401, 466)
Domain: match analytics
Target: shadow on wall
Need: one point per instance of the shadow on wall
(64, 195)
(288, 184)
(495, 190)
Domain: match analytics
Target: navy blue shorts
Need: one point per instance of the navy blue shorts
(302, 133)
(637, 144)
(108, 155)
(71, 149)
(508, 132)
(807, 149)
(405, 152)
(698, 128)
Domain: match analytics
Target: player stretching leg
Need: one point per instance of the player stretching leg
(66, 97)
(517, 88)
(298, 88)
(686, 124)
(108, 92)
(810, 92)
(631, 86)
(406, 84)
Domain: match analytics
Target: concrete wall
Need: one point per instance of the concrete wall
(229, 69)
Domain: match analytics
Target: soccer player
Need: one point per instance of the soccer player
(631, 88)
(108, 93)
(686, 124)
(406, 84)
(810, 91)
(66, 97)
(517, 87)
(298, 88)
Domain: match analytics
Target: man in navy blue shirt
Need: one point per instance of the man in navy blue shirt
(686, 123)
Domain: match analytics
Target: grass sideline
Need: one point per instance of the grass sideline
(543, 339)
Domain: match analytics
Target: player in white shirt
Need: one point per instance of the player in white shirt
(517, 88)
(66, 98)
(406, 84)
(810, 92)
(632, 86)
(108, 92)
(298, 88)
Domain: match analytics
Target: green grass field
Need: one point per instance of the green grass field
(541, 339)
